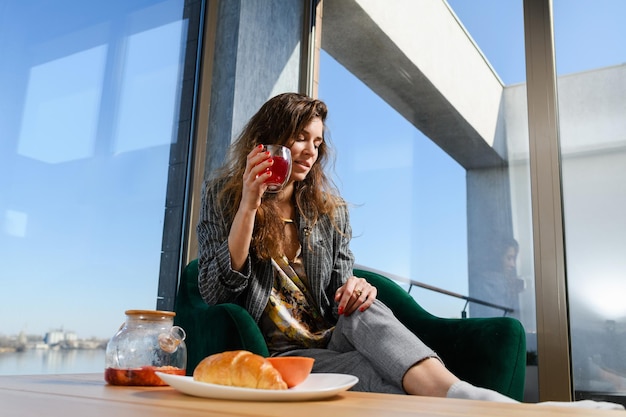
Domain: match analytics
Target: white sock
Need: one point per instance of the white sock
(467, 391)
(603, 405)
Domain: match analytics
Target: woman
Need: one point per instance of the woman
(285, 257)
(498, 283)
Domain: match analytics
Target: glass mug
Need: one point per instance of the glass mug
(147, 342)
(281, 169)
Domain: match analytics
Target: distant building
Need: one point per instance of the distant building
(60, 337)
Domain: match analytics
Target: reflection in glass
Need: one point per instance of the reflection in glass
(501, 242)
(66, 108)
(592, 90)
(88, 112)
(147, 114)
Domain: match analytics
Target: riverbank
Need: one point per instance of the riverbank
(8, 345)
(51, 361)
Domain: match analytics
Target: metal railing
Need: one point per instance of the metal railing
(412, 283)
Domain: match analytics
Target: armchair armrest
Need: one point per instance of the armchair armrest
(212, 329)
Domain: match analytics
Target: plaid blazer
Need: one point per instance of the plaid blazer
(326, 256)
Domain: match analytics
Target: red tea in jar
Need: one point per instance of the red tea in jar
(144, 376)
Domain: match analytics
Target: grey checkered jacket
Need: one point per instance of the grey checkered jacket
(326, 255)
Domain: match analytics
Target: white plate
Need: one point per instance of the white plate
(315, 387)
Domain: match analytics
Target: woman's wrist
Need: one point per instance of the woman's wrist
(240, 237)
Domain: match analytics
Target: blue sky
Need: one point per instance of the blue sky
(587, 34)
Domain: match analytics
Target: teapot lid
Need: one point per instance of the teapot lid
(150, 313)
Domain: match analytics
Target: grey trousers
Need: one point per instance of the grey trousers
(373, 346)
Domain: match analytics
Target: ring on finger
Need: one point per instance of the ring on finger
(358, 292)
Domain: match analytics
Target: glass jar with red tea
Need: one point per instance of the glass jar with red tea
(146, 343)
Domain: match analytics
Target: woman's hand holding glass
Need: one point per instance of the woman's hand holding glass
(355, 294)
(263, 175)
(255, 175)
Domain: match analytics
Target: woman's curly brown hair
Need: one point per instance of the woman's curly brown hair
(279, 121)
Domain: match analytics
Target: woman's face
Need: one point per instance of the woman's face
(509, 261)
(304, 150)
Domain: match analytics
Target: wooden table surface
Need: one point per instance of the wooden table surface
(88, 395)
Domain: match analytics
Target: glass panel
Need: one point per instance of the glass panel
(589, 38)
(422, 209)
(386, 169)
(89, 104)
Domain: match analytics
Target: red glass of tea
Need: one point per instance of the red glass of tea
(281, 169)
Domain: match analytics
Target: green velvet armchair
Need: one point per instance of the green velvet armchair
(487, 352)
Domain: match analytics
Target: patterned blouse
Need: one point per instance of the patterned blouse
(291, 320)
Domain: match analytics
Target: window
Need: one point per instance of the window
(93, 121)
(430, 125)
(591, 90)
(406, 196)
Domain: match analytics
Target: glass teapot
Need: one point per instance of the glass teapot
(147, 342)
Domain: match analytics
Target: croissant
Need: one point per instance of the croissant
(239, 368)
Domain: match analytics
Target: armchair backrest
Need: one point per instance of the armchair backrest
(393, 296)
(188, 295)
